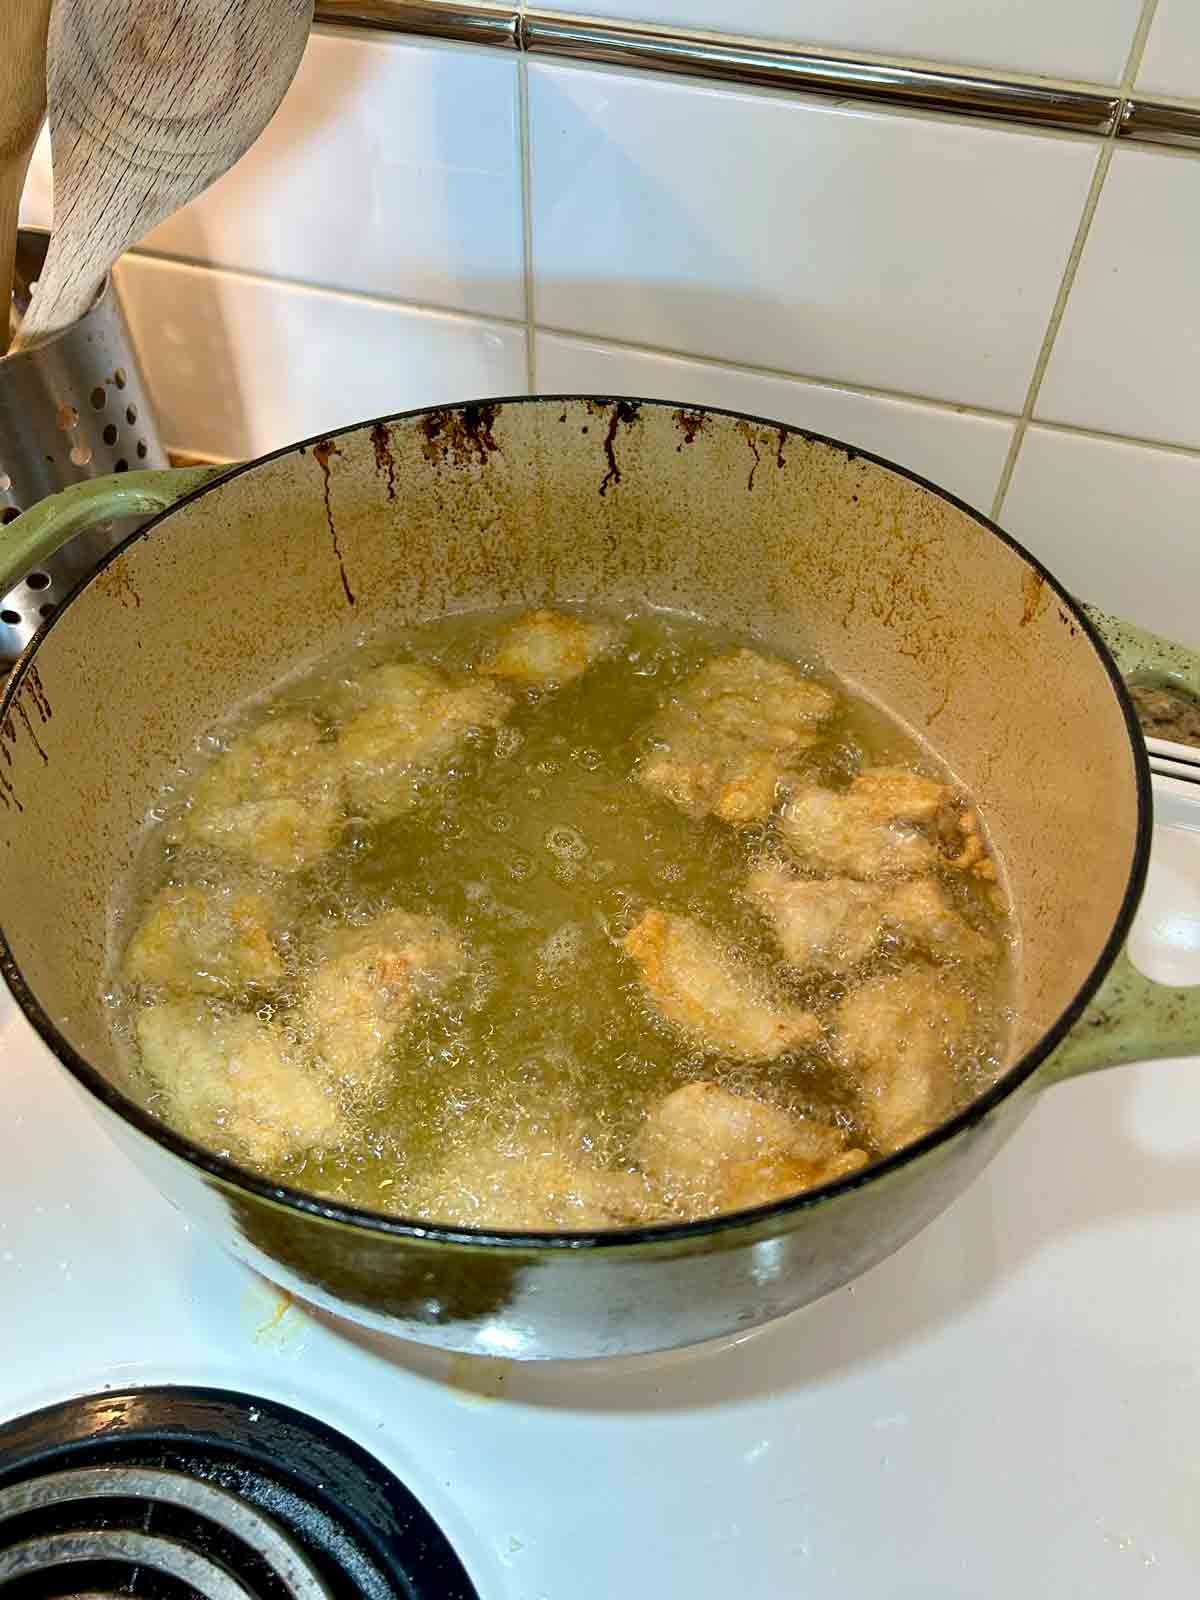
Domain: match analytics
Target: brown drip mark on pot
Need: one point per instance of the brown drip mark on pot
(464, 434)
(322, 452)
(623, 413)
(747, 433)
(1033, 596)
(37, 694)
(1067, 622)
(689, 423)
(385, 461)
(8, 794)
(19, 708)
(116, 581)
(947, 690)
(902, 591)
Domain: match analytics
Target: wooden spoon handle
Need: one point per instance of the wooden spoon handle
(61, 298)
(150, 102)
(22, 107)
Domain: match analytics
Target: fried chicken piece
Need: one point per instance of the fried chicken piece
(831, 923)
(235, 1084)
(712, 1151)
(731, 733)
(961, 832)
(738, 787)
(694, 982)
(770, 1178)
(920, 911)
(897, 1035)
(532, 1189)
(207, 939)
(413, 718)
(768, 703)
(834, 923)
(366, 985)
(272, 797)
(285, 835)
(282, 756)
(873, 829)
(548, 647)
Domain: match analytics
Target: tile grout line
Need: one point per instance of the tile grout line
(526, 156)
(782, 374)
(862, 391)
(274, 280)
(1076, 431)
(1058, 310)
(1087, 216)
(718, 363)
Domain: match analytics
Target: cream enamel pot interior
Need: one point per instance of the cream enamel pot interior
(904, 591)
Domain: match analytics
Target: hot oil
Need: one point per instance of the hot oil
(537, 847)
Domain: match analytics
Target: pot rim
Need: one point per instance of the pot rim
(230, 1174)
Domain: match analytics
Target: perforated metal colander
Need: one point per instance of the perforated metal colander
(74, 407)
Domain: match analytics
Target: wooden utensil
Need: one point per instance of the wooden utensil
(150, 102)
(22, 107)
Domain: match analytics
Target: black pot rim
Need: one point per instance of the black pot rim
(229, 1174)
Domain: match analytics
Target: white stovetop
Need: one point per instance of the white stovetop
(1010, 1406)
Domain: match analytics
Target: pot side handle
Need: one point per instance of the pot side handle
(36, 534)
(1143, 657)
(1132, 1018)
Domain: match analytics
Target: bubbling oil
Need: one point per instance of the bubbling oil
(534, 843)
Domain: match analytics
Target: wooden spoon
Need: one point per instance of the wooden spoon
(150, 102)
(22, 107)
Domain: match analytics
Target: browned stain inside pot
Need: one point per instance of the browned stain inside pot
(33, 687)
(116, 581)
(689, 423)
(747, 432)
(7, 792)
(1033, 595)
(461, 436)
(622, 413)
(19, 708)
(323, 451)
(385, 461)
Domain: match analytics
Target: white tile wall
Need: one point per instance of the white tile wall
(895, 252)
(1127, 356)
(1116, 523)
(392, 168)
(1171, 63)
(754, 250)
(964, 453)
(238, 366)
(1065, 38)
